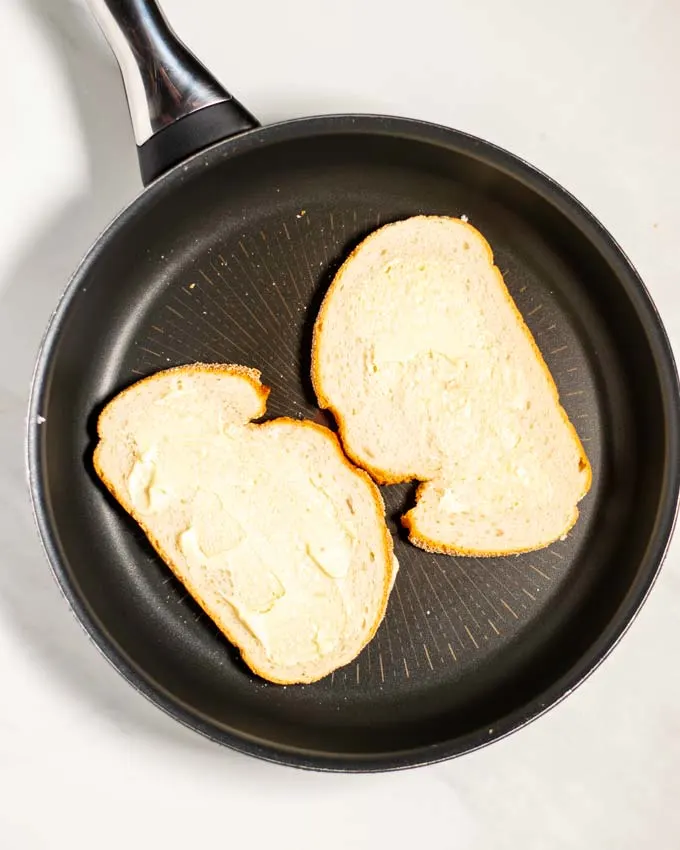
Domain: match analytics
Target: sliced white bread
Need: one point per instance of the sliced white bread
(432, 374)
(273, 532)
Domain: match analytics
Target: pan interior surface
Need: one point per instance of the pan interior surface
(227, 260)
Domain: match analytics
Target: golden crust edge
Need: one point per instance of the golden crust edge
(438, 548)
(386, 477)
(253, 375)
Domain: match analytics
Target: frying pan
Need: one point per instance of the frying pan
(225, 256)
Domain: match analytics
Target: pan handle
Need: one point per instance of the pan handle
(177, 107)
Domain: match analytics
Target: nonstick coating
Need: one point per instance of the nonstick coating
(226, 259)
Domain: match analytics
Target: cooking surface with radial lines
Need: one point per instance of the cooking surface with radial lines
(252, 298)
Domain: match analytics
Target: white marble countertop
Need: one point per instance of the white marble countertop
(589, 92)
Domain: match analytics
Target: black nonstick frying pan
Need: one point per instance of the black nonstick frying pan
(225, 256)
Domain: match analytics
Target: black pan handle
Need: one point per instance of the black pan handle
(177, 107)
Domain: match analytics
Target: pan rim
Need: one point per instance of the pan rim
(650, 564)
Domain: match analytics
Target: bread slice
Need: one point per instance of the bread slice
(272, 531)
(432, 374)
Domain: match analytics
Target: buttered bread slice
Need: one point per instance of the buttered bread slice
(432, 374)
(273, 532)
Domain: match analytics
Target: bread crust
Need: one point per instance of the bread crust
(253, 376)
(385, 476)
